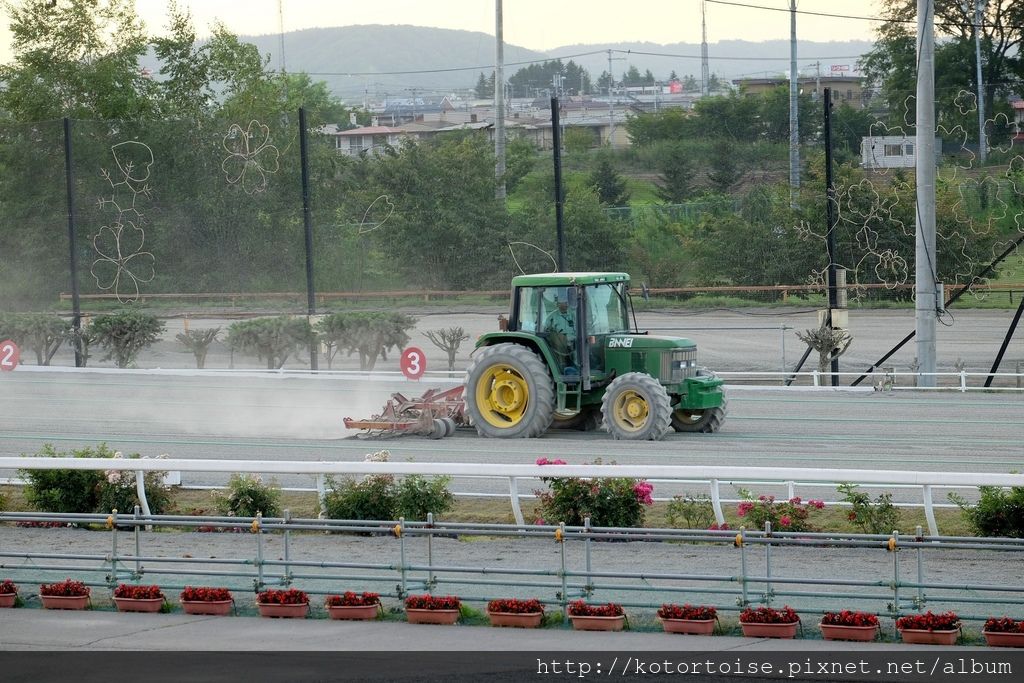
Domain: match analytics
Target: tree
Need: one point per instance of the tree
(648, 77)
(370, 334)
(605, 82)
(270, 339)
(632, 76)
(76, 58)
(610, 186)
(485, 86)
(198, 342)
(42, 332)
(675, 183)
(578, 139)
(724, 171)
(448, 339)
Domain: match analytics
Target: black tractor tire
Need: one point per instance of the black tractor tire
(636, 407)
(509, 393)
(587, 420)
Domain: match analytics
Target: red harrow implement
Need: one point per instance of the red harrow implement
(435, 414)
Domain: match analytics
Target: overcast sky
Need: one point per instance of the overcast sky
(535, 24)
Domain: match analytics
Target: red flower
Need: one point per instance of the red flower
(8, 587)
(767, 615)
(292, 596)
(66, 588)
(351, 599)
(687, 611)
(191, 594)
(514, 606)
(946, 621)
(849, 618)
(138, 592)
(432, 602)
(785, 520)
(582, 609)
(724, 526)
(1004, 625)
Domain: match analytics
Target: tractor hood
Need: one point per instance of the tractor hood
(647, 342)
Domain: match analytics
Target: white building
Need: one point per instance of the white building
(892, 151)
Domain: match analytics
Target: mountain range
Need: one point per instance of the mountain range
(371, 60)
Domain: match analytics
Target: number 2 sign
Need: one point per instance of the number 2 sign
(413, 362)
(9, 355)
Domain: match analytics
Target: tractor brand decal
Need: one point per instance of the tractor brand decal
(620, 343)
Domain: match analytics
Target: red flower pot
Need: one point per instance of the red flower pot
(432, 616)
(770, 630)
(274, 610)
(693, 627)
(139, 604)
(517, 620)
(917, 636)
(354, 612)
(1003, 639)
(8, 599)
(840, 632)
(216, 608)
(598, 623)
(65, 601)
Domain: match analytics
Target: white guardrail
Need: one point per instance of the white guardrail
(712, 476)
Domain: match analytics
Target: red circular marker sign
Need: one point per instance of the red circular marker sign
(9, 355)
(413, 362)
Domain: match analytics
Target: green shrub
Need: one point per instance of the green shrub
(124, 334)
(248, 495)
(198, 342)
(270, 339)
(877, 517)
(372, 497)
(74, 491)
(608, 502)
(998, 512)
(415, 496)
(85, 491)
(690, 512)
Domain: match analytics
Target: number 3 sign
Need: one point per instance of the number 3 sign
(413, 362)
(9, 355)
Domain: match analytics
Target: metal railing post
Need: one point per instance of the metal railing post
(895, 573)
(920, 571)
(321, 494)
(744, 598)
(430, 549)
(287, 578)
(565, 579)
(815, 375)
(258, 524)
(112, 520)
(138, 545)
(586, 545)
(140, 489)
(767, 598)
(401, 554)
(963, 381)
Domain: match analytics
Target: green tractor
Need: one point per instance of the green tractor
(546, 370)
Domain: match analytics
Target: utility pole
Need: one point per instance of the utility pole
(611, 105)
(705, 78)
(556, 148)
(924, 266)
(794, 110)
(830, 236)
(499, 102)
(979, 17)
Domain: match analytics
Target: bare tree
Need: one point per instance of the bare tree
(830, 343)
(448, 340)
(198, 342)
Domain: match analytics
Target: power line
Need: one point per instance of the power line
(451, 69)
(859, 17)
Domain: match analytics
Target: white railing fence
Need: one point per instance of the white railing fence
(711, 476)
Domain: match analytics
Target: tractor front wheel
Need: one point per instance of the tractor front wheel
(509, 393)
(707, 421)
(636, 407)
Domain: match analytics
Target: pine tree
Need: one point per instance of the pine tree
(676, 181)
(610, 186)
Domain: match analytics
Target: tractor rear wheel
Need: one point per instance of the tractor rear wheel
(636, 407)
(707, 421)
(509, 392)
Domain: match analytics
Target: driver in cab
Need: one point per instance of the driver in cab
(561, 327)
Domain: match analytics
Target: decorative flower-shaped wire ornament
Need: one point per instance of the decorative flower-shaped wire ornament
(122, 263)
(980, 204)
(251, 157)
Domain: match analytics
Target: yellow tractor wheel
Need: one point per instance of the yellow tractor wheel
(509, 392)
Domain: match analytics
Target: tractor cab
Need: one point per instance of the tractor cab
(571, 355)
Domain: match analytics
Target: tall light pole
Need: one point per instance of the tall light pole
(924, 255)
(979, 17)
(499, 102)
(705, 78)
(794, 110)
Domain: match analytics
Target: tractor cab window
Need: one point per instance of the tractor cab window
(606, 309)
(528, 313)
